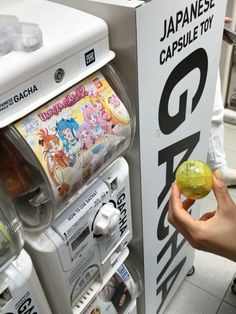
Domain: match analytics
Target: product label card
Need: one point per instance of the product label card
(116, 296)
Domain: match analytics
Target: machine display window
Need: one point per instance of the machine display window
(80, 238)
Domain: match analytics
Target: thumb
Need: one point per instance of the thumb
(221, 193)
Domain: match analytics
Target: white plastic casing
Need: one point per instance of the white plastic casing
(75, 257)
(11, 232)
(75, 44)
(20, 286)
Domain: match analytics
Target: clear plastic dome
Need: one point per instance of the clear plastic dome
(62, 146)
(11, 232)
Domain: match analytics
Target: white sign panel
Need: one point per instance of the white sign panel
(177, 77)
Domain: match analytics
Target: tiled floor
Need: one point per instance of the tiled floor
(208, 291)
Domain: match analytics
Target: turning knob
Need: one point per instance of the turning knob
(106, 220)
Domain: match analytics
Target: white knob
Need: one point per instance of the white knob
(106, 220)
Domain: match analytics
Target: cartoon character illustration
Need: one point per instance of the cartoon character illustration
(114, 101)
(85, 136)
(66, 130)
(118, 110)
(106, 108)
(103, 113)
(97, 126)
(56, 159)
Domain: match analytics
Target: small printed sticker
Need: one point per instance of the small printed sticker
(89, 57)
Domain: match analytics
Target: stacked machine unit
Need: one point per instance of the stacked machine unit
(66, 122)
(20, 289)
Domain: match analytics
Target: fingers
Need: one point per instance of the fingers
(177, 215)
(188, 203)
(195, 231)
(207, 216)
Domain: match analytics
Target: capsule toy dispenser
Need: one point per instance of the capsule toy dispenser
(20, 289)
(64, 129)
(11, 232)
(61, 147)
(64, 112)
(87, 243)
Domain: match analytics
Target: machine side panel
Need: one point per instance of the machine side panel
(178, 63)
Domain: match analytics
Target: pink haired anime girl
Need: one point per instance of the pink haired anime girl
(85, 136)
(97, 126)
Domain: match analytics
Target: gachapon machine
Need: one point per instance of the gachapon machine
(11, 232)
(20, 289)
(65, 122)
(65, 114)
(63, 145)
(86, 244)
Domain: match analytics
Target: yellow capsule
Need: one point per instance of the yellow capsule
(194, 179)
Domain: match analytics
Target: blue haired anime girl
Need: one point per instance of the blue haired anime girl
(66, 130)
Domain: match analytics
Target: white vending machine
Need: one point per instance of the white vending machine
(167, 53)
(20, 289)
(66, 121)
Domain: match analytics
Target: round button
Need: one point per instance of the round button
(59, 75)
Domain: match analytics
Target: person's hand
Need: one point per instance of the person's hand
(228, 20)
(215, 231)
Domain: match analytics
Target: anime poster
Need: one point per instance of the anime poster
(76, 133)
